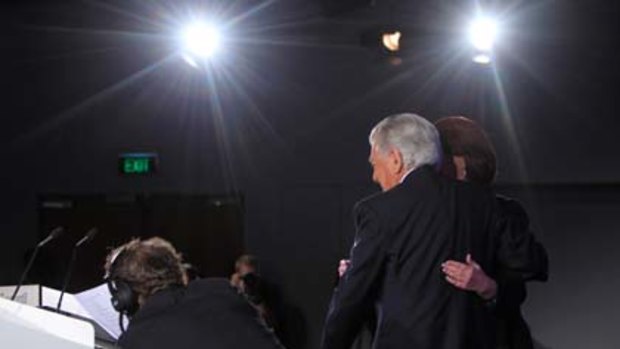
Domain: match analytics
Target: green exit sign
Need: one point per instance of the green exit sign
(138, 163)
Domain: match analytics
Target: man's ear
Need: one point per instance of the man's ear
(397, 164)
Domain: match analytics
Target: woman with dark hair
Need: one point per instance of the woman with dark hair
(469, 156)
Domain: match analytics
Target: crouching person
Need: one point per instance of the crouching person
(148, 284)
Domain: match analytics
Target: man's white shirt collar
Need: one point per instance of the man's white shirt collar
(402, 179)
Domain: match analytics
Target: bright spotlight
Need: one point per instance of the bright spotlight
(391, 41)
(482, 33)
(200, 40)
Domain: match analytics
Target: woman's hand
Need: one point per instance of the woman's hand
(469, 276)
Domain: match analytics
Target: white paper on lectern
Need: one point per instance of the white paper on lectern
(96, 302)
(49, 298)
(92, 304)
(24, 326)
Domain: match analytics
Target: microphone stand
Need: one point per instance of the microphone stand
(89, 236)
(56, 232)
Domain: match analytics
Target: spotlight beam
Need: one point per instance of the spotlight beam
(74, 111)
(253, 11)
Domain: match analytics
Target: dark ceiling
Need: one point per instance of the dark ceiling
(295, 83)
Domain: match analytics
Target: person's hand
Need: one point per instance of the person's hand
(469, 276)
(343, 266)
(235, 280)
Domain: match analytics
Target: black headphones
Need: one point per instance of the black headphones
(123, 299)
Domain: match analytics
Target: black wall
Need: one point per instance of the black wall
(577, 307)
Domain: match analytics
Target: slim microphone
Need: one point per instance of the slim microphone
(90, 234)
(88, 237)
(56, 232)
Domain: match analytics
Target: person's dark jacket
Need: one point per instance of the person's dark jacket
(402, 238)
(209, 313)
(512, 330)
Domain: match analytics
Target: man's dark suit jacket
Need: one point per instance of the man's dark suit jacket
(402, 237)
(207, 314)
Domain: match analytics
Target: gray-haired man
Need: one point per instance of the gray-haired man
(403, 235)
